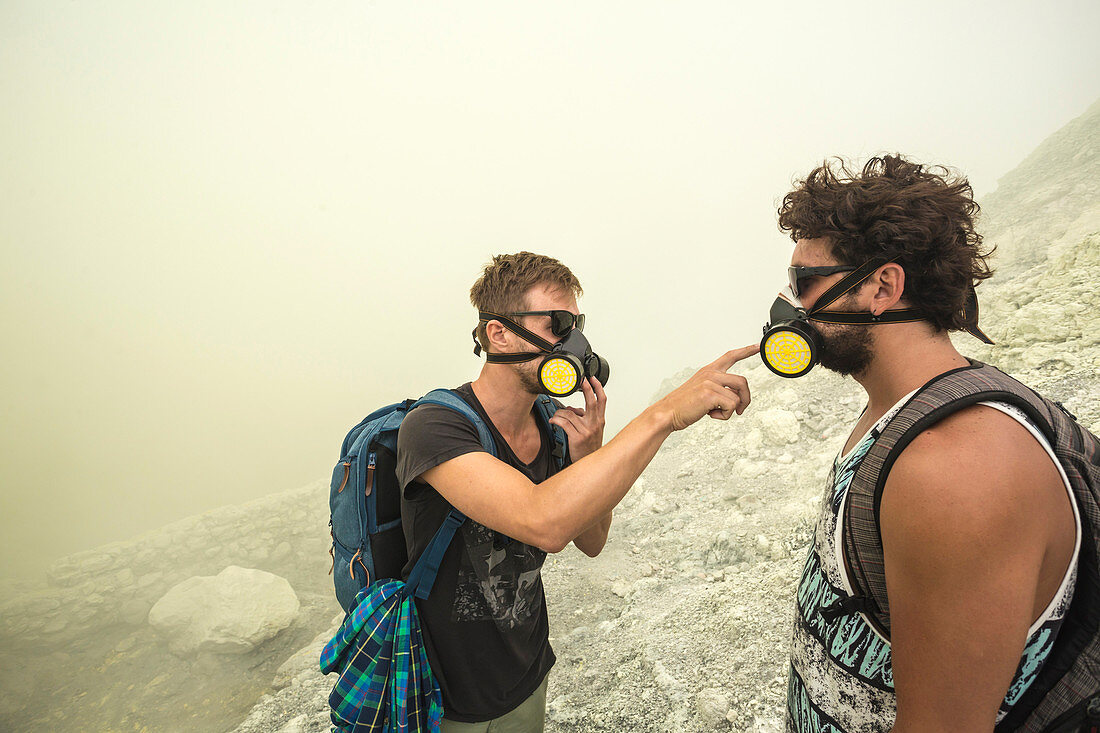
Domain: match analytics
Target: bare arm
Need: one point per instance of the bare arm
(968, 513)
(584, 429)
(592, 540)
(551, 514)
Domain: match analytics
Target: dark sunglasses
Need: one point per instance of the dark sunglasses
(798, 274)
(561, 322)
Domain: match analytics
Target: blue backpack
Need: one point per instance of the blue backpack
(365, 500)
(385, 682)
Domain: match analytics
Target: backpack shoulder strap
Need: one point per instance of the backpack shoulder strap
(944, 395)
(422, 576)
(1067, 681)
(546, 408)
(449, 398)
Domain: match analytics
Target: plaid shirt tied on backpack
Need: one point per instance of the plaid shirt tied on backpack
(396, 690)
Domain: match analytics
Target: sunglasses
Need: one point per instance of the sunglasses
(561, 322)
(798, 274)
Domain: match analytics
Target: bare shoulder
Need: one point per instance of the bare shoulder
(977, 471)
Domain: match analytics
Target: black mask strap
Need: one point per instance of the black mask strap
(901, 315)
(849, 282)
(528, 336)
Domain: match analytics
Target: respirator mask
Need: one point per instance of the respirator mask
(791, 346)
(565, 364)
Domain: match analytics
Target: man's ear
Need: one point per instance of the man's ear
(888, 287)
(496, 334)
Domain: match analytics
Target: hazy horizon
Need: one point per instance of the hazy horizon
(229, 232)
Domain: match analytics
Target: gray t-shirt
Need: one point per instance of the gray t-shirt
(485, 624)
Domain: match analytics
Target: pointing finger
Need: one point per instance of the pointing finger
(728, 359)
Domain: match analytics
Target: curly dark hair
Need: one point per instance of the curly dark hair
(917, 216)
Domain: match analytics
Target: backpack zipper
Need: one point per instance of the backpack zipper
(347, 472)
(332, 548)
(370, 475)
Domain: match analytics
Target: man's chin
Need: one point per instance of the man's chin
(845, 369)
(851, 362)
(527, 382)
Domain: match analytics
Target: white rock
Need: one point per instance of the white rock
(297, 725)
(786, 396)
(779, 426)
(711, 705)
(228, 613)
(663, 678)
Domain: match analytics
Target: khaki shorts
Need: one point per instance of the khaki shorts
(529, 717)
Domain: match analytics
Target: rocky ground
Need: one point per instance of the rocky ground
(681, 624)
(78, 652)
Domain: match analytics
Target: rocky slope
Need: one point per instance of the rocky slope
(79, 653)
(1049, 199)
(681, 624)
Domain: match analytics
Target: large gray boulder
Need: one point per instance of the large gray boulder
(227, 613)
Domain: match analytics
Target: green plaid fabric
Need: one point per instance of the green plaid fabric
(385, 681)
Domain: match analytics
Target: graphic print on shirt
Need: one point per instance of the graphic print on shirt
(843, 659)
(498, 578)
(841, 678)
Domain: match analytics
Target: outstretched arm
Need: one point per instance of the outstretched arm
(551, 514)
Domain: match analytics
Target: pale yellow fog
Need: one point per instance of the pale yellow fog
(230, 230)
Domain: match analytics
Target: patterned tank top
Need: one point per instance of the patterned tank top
(841, 680)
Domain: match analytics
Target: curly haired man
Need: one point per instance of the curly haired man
(977, 531)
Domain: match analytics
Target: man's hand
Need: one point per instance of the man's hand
(584, 427)
(710, 391)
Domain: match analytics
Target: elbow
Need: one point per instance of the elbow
(592, 550)
(552, 544)
(547, 530)
(550, 539)
(551, 547)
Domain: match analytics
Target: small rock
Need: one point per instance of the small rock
(620, 588)
(711, 705)
(134, 611)
(281, 551)
(297, 725)
(663, 678)
(562, 711)
(779, 426)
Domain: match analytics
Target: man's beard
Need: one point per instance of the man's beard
(528, 376)
(846, 349)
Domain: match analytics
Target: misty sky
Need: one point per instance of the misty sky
(230, 230)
